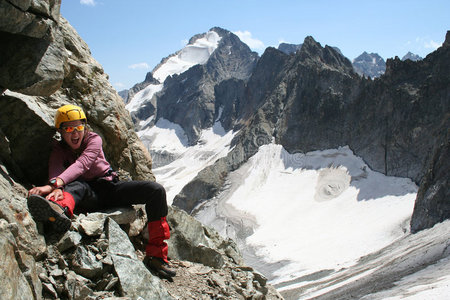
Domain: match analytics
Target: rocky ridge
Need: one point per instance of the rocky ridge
(94, 259)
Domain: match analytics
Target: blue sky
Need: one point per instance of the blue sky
(130, 37)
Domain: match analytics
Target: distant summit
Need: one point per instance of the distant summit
(289, 48)
(372, 65)
(411, 56)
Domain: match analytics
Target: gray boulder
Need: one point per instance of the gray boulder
(134, 278)
(34, 25)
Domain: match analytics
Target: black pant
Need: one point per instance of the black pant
(102, 194)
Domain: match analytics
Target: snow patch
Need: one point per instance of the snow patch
(143, 96)
(165, 136)
(213, 144)
(191, 55)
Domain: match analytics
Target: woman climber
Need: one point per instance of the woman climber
(81, 177)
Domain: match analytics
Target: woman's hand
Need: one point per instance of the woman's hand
(56, 194)
(40, 190)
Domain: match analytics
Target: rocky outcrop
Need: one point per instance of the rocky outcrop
(34, 26)
(370, 65)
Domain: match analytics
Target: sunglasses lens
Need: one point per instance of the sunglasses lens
(70, 129)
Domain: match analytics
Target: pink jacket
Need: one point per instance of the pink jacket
(89, 164)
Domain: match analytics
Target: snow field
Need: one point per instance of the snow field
(316, 235)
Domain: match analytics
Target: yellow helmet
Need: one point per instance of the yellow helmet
(68, 113)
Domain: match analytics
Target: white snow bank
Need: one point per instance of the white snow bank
(322, 210)
(143, 96)
(164, 136)
(192, 54)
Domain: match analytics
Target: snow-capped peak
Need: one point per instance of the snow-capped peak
(190, 55)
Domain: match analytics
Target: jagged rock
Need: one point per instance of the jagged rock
(127, 95)
(135, 279)
(14, 283)
(134, 217)
(34, 26)
(86, 264)
(14, 211)
(92, 224)
(192, 241)
(194, 281)
(69, 240)
(105, 111)
(77, 288)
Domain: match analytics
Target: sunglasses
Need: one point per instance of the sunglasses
(70, 129)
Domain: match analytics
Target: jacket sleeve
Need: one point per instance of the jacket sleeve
(84, 162)
(56, 162)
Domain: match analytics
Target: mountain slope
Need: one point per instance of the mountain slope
(187, 95)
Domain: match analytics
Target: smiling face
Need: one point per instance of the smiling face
(74, 138)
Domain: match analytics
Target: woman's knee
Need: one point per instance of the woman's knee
(157, 206)
(158, 192)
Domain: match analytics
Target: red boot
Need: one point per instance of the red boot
(56, 212)
(156, 249)
(67, 202)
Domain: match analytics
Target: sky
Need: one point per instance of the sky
(129, 38)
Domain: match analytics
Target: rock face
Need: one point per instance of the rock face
(95, 259)
(34, 26)
(371, 65)
(433, 205)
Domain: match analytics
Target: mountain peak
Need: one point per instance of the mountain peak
(313, 52)
(411, 56)
(369, 64)
(447, 40)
